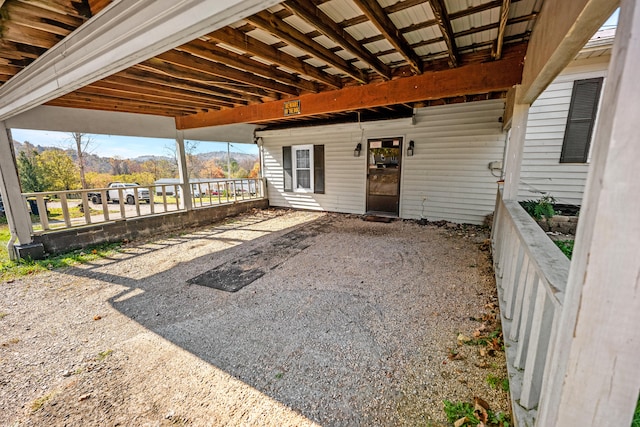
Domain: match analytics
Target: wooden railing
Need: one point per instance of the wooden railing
(531, 276)
(93, 206)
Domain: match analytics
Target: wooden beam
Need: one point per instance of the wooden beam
(440, 12)
(504, 17)
(91, 103)
(158, 67)
(595, 375)
(137, 85)
(327, 26)
(149, 75)
(208, 51)
(220, 70)
(124, 91)
(383, 23)
(471, 79)
(562, 29)
(239, 40)
(272, 24)
(120, 36)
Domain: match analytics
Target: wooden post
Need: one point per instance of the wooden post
(183, 172)
(14, 205)
(595, 375)
(515, 148)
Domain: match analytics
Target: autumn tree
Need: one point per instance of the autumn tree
(159, 168)
(30, 172)
(210, 169)
(58, 170)
(255, 171)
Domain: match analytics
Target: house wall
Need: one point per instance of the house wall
(542, 171)
(446, 179)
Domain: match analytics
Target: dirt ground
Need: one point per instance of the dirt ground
(348, 323)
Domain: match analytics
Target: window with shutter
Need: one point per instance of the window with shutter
(303, 168)
(582, 116)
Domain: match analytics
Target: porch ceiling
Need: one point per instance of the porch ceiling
(296, 48)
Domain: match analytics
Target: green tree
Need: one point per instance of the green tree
(59, 171)
(30, 173)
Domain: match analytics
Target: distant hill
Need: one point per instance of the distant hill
(101, 164)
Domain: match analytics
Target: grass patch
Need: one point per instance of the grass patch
(496, 382)
(25, 267)
(39, 402)
(457, 410)
(635, 422)
(74, 212)
(3, 315)
(103, 355)
(566, 246)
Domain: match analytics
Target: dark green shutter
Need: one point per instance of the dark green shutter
(287, 168)
(582, 117)
(318, 169)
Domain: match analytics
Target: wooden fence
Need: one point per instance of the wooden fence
(531, 275)
(93, 206)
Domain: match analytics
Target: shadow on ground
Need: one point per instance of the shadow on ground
(334, 316)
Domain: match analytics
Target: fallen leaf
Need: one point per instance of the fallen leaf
(480, 408)
(97, 317)
(461, 422)
(483, 352)
(463, 339)
(454, 355)
(84, 397)
(476, 334)
(95, 251)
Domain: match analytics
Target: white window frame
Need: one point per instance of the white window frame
(294, 158)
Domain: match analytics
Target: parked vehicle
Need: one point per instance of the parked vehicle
(113, 194)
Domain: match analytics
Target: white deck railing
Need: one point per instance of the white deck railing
(531, 275)
(94, 207)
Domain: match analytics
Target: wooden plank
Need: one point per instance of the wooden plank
(272, 24)
(537, 352)
(527, 278)
(383, 23)
(317, 18)
(504, 16)
(191, 81)
(596, 375)
(561, 30)
(239, 40)
(475, 78)
(212, 52)
(440, 12)
(516, 280)
(220, 70)
(526, 321)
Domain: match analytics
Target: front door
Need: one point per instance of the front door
(383, 175)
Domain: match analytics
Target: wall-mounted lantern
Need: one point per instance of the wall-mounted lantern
(410, 148)
(356, 151)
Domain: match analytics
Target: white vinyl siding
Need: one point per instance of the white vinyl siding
(453, 146)
(542, 171)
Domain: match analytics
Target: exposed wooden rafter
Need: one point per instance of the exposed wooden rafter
(274, 25)
(442, 18)
(238, 40)
(314, 16)
(504, 17)
(377, 15)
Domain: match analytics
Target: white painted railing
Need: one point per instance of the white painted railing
(94, 206)
(531, 275)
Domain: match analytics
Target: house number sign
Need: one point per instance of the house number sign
(291, 108)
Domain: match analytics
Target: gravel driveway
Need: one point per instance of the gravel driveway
(351, 323)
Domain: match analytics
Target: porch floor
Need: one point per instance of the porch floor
(353, 326)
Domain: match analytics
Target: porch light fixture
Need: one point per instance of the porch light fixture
(410, 149)
(356, 151)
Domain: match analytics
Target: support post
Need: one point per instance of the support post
(515, 147)
(183, 171)
(14, 205)
(595, 375)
